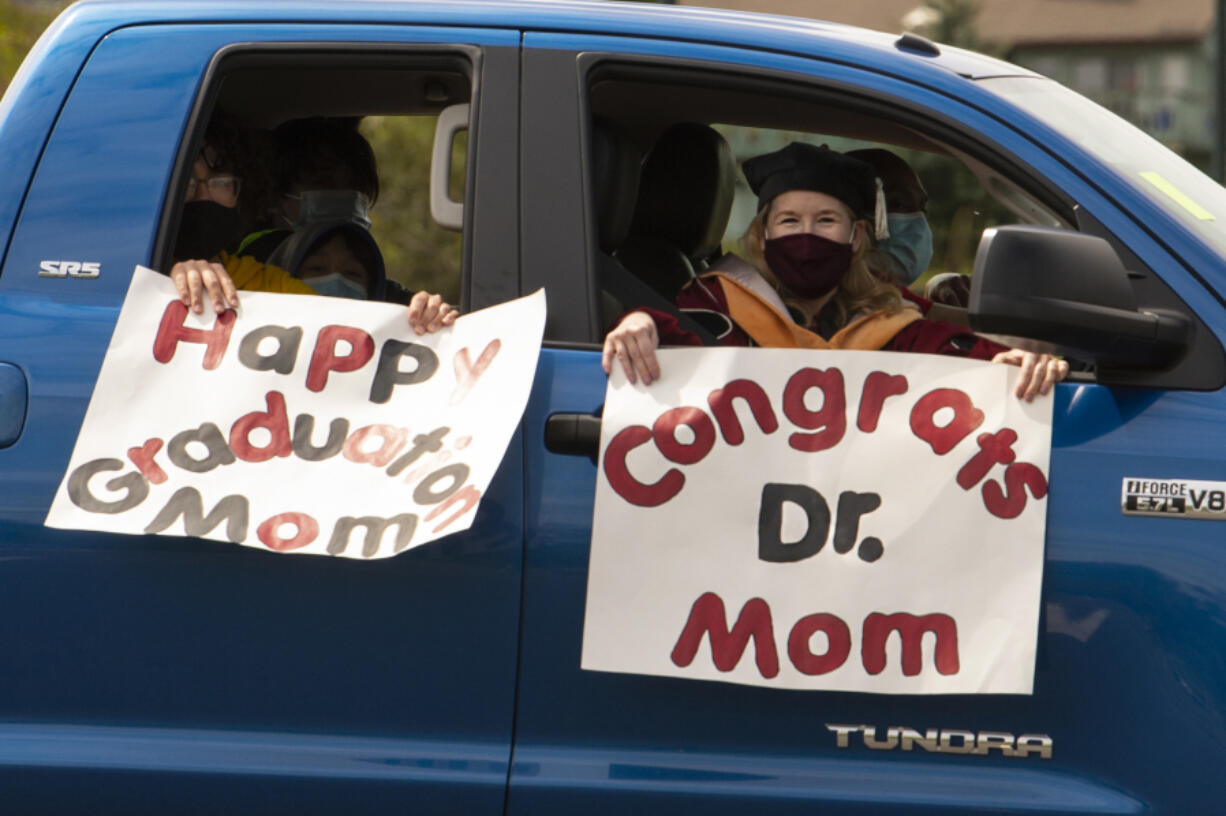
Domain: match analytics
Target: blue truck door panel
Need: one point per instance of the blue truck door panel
(1133, 608)
(14, 398)
(155, 674)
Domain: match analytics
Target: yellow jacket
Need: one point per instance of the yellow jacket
(251, 275)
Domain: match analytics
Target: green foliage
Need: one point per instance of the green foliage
(19, 28)
(417, 252)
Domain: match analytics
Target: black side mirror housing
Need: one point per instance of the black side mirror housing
(1071, 290)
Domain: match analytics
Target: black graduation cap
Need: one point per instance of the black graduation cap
(802, 166)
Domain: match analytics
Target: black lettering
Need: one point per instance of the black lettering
(424, 492)
(422, 444)
(771, 546)
(388, 374)
(1217, 501)
(852, 506)
(186, 502)
(136, 485)
(406, 525)
(304, 428)
(208, 435)
(288, 338)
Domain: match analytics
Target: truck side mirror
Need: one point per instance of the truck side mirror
(1071, 290)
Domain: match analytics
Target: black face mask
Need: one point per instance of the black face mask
(206, 230)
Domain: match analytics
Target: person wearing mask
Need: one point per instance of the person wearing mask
(215, 217)
(904, 252)
(806, 252)
(334, 253)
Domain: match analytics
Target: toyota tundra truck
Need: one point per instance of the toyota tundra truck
(163, 674)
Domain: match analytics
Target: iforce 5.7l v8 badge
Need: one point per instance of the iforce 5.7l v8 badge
(1179, 498)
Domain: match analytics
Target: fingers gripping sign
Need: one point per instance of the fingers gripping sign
(193, 278)
(633, 344)
(1039, 372)
(429, 312)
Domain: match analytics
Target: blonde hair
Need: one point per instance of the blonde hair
(858, 291)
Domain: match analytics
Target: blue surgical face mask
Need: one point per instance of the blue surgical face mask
(337, 285)
(909, 245)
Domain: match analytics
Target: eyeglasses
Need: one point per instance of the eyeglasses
(216, 187)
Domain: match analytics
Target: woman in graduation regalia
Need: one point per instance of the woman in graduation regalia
(805, 282)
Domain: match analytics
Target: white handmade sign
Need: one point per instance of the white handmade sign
(857, 521)
(300, 424)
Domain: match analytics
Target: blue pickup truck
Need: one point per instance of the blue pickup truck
(145, 674)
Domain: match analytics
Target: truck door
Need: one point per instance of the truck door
(1131, 606)
(150, 674)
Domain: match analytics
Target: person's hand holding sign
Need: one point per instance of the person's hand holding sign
(1039, 371)
(429, 312)
(634, 344)
(193, 278)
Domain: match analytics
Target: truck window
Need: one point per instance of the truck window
(965, 194)
(298, 143)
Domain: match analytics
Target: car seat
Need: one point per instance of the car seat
(685, 196)
(615, 166)
(615, 177)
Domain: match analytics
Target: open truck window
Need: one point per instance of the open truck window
(385, 139)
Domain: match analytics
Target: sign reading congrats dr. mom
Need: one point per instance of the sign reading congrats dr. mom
(858, 521)
(300, 424)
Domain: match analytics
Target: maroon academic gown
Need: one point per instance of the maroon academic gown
(704, 300)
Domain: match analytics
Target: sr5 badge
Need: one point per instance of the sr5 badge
(69, 269)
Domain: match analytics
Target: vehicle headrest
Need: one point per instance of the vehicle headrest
(615, 179)
(686, 190)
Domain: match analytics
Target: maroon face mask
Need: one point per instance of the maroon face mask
(808, 265)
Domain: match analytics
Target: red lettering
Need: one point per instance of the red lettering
(1017, 477)
(759, 404)
(325, 359)
(171, 332)
(943, 439)
(468, 494)
(306, 529)
(878, 386)
(391, 440)
(911, 629)
(142, 457)
(274, 420)
(625, 485)
(838, 637)
(665, 432)
(832, 417)
(994, 449)
(707, 617)
(467, 374)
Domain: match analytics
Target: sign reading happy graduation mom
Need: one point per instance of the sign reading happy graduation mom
(859, 521)
(301, 424)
